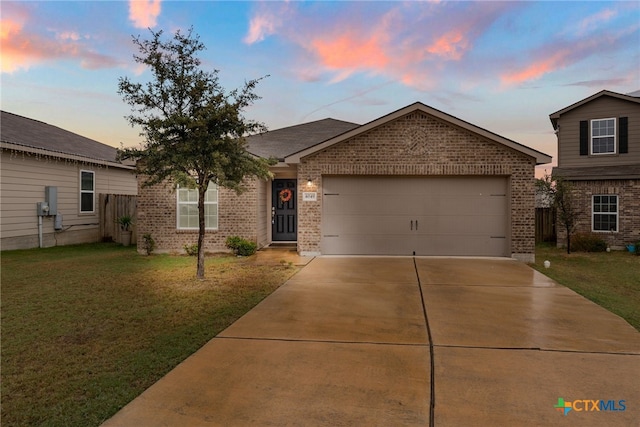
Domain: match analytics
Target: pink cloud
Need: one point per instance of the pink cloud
(267, 20)
(69, 35)
(560, 54)
(260, 27)
(144, 13)
(348, 52)
(21, 49)
(407, 42)
(451, 45)
(593, 21)
(538, 68)
(14, 56)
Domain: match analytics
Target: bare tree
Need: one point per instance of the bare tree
(560, 193)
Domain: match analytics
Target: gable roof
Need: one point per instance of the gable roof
(632, 97)
(280, 143)
(540, 157)
(25, 134)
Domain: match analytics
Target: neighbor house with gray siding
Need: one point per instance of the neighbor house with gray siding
(599, 154)
(44, 163)
(416, 181)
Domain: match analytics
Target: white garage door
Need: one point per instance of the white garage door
(366, 215)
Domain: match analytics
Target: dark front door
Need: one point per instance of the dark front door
(283, 211)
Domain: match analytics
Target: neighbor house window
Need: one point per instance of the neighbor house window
(605, 213)
(603, 136)
(87, 191)
(188, 208)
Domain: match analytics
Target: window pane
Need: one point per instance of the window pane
(604, 222)
(86, 181)
(86, 202)
(603, 145)
(603, 136)
(183, 195)
(212, 193)
(187, 195)
(188, 207)
(211, 216)
(605, 213)
(188, 216)
(610, 127)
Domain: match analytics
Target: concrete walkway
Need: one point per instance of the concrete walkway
(366, 341)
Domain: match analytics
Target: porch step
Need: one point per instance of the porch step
(282, 245)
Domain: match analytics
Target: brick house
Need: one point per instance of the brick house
(415, 181)
(599, 154)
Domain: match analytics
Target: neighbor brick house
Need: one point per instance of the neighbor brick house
(415, 181)
(599, 154)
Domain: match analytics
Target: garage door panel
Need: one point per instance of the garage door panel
(425, 215)
(356, 204)
(474, 204)
(469, 246)
(461, 225)
(365, 245)
(344, 225)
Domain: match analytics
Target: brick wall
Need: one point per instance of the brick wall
(419, 144)
(237, 216)
(628, 192)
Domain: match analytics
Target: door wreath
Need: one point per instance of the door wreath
(285, 195)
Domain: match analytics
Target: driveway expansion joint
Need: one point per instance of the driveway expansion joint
(382, 343)
(550, 350)
(432, 374)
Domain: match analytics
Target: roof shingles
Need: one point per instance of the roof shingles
(25, 132)
(281, 143)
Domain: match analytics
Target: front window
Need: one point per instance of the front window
(87, 191)
(188, 208)
(603, 136)
(605, 213)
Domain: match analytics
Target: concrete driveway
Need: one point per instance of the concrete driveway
(367, 341)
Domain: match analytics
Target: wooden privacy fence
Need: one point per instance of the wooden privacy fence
(545, 225)
(113, 206)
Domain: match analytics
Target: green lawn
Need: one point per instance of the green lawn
(610, 279)
(85, 329)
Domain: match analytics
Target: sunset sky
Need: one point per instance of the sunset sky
(504, 66)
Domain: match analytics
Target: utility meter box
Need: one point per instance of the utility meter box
(42, 209)
(51, 198)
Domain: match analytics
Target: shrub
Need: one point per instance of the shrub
(191, 250)
(148, 243)
(588, 242)
(240, 246)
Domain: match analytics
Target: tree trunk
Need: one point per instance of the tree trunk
(201, 228)
(568, 241)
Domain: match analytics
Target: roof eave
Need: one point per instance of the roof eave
(617, 95)
(41, 151)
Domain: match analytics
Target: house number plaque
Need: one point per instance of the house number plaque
(309, 196)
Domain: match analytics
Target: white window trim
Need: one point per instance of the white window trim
(178, 203)
(617, 213)
(92, 192)
(615, 137)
